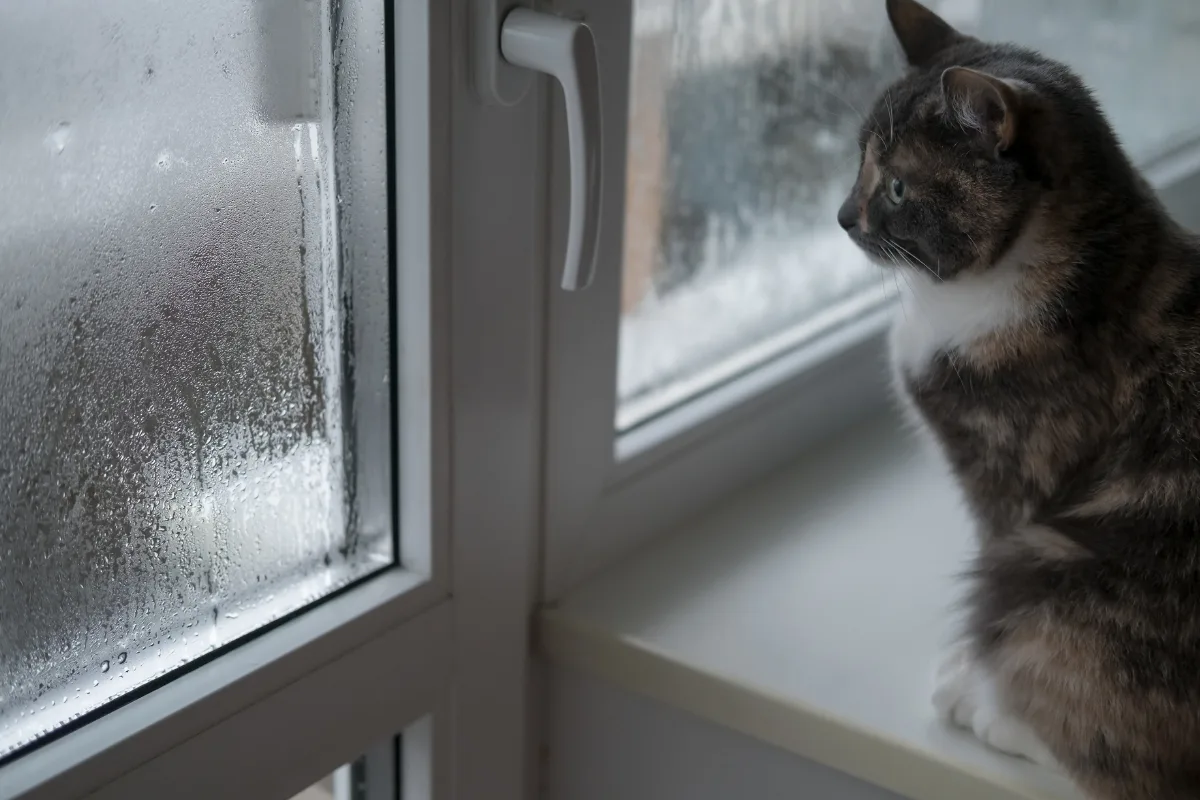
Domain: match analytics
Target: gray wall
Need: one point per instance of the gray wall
(608, 744)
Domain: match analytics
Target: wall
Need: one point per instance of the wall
(607, 744)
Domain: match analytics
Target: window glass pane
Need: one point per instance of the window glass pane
(743, 125)
(375, 776)
(394, 769)
(326, 788)
(186, 227)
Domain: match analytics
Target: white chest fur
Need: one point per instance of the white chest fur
(939, 316)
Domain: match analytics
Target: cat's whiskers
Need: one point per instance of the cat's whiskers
(898, 257)
(842, 98)
(971, 239)
(891, 119)
(895, 280)
(911, 293)
(901, 257)
(902, 249)
(846, 80)
(882, 281)
(953, 366)
(900, 295)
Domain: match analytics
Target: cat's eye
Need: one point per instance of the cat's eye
(896, 191)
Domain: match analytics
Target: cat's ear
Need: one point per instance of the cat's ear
(923, 34)
(984, 104)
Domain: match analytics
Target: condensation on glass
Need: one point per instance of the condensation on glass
(193, 333)
(743, 128)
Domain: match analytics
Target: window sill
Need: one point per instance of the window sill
(808, 612)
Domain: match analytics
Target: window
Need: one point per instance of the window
(193, 347)
(286, 383)
(733, 323)
(742, 135)
(234, 329)
(394, 768)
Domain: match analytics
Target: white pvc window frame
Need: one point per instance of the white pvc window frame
(608, 494)
(435, 649)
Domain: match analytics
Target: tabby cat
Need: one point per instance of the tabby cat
(1051, 345)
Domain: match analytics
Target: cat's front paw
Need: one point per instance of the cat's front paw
(965, 696)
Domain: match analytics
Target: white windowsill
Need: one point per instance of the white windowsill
(808, 612)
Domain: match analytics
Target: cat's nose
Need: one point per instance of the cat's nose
(848, 213)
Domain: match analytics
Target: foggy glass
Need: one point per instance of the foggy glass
(193, 333)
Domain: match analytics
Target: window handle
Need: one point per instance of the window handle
(566, 50)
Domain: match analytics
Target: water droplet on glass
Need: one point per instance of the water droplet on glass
(104, 665)
(57, 139)
(121, 658)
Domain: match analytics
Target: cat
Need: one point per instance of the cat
(1051, 346)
